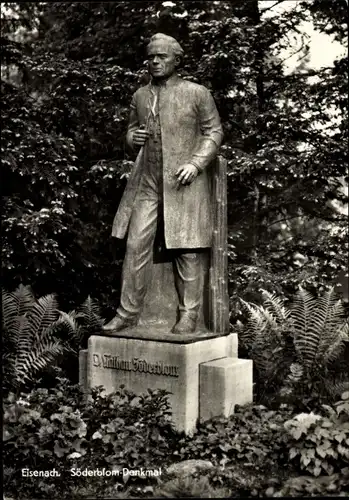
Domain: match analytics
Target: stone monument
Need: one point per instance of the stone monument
(171, 330)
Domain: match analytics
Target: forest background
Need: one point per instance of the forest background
(68, 73)
(69, 70)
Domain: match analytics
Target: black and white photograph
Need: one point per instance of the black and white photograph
(175, 300)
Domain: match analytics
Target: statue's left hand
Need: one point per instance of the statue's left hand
(186, 174)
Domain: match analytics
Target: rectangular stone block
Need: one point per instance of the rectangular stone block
(233, 345)
(139, 364)
(83, 368)
(224, 383)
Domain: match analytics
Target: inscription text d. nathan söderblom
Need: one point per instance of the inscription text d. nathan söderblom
(135, 365)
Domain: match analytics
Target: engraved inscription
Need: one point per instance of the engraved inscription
(135, 365)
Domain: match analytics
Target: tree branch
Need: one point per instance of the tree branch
(281, 63)
(284, 220)
(271, 7)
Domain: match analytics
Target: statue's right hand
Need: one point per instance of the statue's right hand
(140, 136)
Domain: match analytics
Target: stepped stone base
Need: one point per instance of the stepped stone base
(224, 383)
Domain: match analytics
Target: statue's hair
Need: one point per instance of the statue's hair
(176, 48)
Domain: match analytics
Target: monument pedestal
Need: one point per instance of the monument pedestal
(140, 361)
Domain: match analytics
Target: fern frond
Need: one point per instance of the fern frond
(318, 326)
(90, 307)
(8, 363)
(294, 377)
(28, 339)
(329, 298)
(335, 350)
(67, 329)
(271, 356)
(331, 331)
(275, 305)
(46, 335)
(269, 320)
(43, 313)
(335, 388)
(91, 314)
(20, 334)
(336, 316)
(263, 333)
(345, 329)
(302, 307)
(45, 354)
(268, 334)
(306, 340)
(16, 303)
(29, 363)
(68, 321)
(23, 347)
(296, 373)
(22, 368)
(329, 312)
(254, 324)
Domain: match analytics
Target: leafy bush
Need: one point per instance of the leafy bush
(298, 351)
(321, 486)
(40, 430)
(131, 431)
(253, 436)
(60, 428)
(250, 451)
(321, 444)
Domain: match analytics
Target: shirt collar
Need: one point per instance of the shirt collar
(166, 83)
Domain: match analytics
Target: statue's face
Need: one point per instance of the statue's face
(162, 62)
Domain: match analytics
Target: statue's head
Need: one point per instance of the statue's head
(164, 55)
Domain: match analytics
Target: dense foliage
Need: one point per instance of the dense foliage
(59, 428)
(67, 80)
(321, 443)
(256, 452)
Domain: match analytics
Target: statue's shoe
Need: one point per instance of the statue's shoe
(117, 324)
(186, 324)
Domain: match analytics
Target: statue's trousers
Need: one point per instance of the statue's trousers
(146, 219)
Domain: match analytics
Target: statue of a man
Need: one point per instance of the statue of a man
(176, 124)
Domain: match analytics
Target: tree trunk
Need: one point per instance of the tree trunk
(254, 14)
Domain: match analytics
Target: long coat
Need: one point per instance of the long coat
(190, 132)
